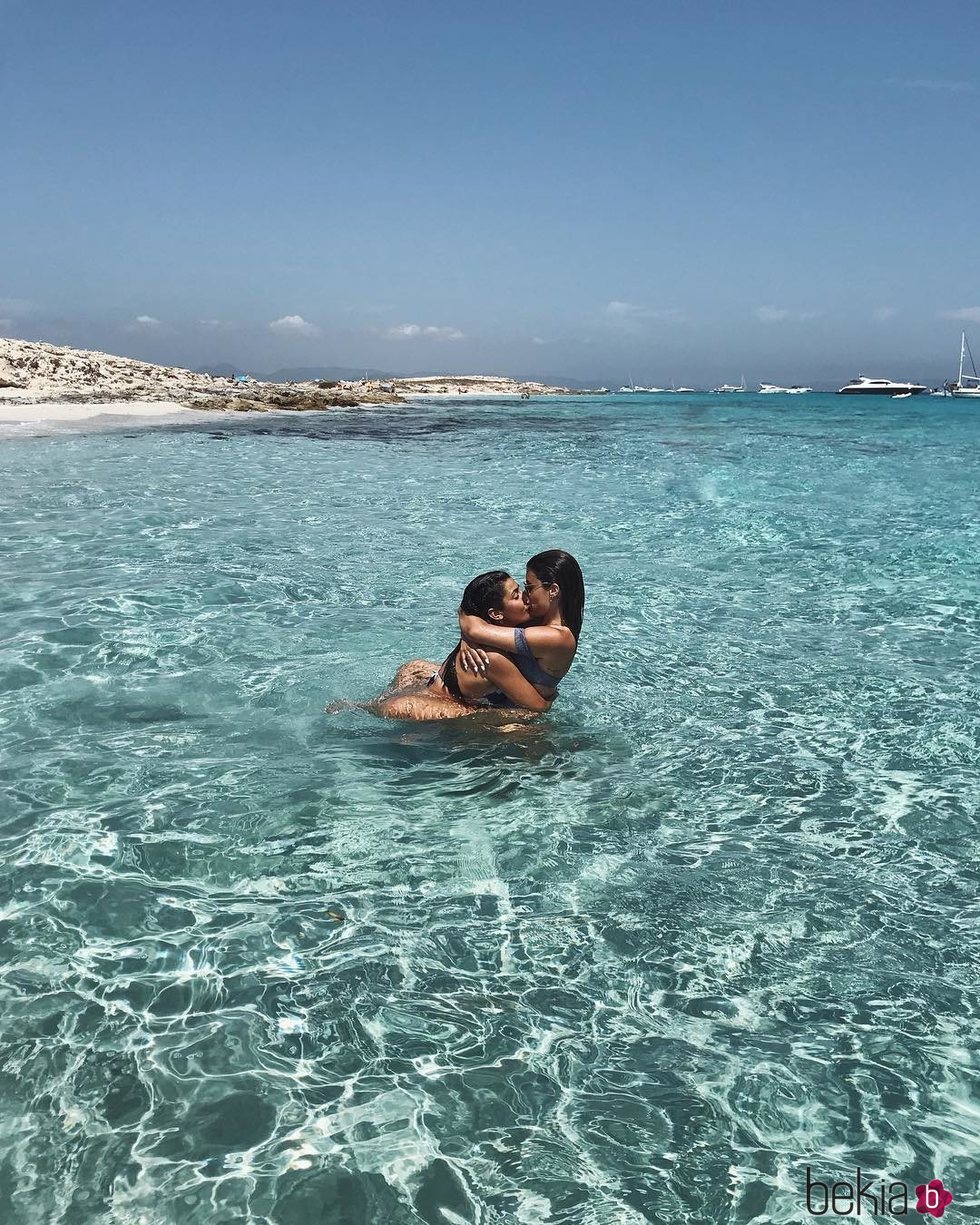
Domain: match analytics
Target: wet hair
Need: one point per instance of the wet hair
(482, 593)
(558, 567)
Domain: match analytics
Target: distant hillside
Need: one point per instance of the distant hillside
(297, 374)
(307, 374)
(579, 384)
(448, 375)
(219, 372)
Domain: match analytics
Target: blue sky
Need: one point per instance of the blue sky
(606, 191)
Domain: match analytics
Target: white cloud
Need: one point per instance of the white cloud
(882, 313)
(779, 314)
(294, 325)
(628, 314)
(214, 323)
(143, 323)
(620, 310)
(411, 331)
(536, 340)
(16, 307)
(939, 85)
(969, 314)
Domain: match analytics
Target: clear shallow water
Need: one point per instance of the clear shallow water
(711, 921)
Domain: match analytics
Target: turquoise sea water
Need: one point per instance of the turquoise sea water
(712, 921)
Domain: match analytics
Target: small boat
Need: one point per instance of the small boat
(863, 386)
(771, 389)
(966, 385)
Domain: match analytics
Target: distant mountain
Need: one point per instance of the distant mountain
(523, 377)
(580, 384)
(307, 374)
(296, 374)
(219, 372)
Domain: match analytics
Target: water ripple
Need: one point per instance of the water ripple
(710, 922)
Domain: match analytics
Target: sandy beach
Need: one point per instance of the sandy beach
(13, 412)
(20, 420)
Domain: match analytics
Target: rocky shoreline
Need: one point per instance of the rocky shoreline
(33, 373)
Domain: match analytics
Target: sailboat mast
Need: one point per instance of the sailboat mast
(973, 364)
(962, 352)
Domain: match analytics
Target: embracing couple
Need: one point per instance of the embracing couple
(515, 646)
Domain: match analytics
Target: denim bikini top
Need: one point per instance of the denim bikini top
(529, 667)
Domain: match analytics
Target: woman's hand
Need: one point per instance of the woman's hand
(473, 659)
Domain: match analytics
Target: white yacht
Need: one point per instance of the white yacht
(632, 388)
(863, 386)
(966, 384)
(728, 388)
(771, 389)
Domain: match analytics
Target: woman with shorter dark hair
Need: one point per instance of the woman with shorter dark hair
(425, 690)
(514, 647)
(554, 592)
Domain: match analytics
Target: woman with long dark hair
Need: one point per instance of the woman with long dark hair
(514, 649)
(554, 592)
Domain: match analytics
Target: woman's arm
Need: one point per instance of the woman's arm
(506, 676)
(503, 639)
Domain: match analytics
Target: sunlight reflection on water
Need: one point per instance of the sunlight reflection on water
(710, 921)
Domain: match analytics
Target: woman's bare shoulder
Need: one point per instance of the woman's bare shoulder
(549, 636)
